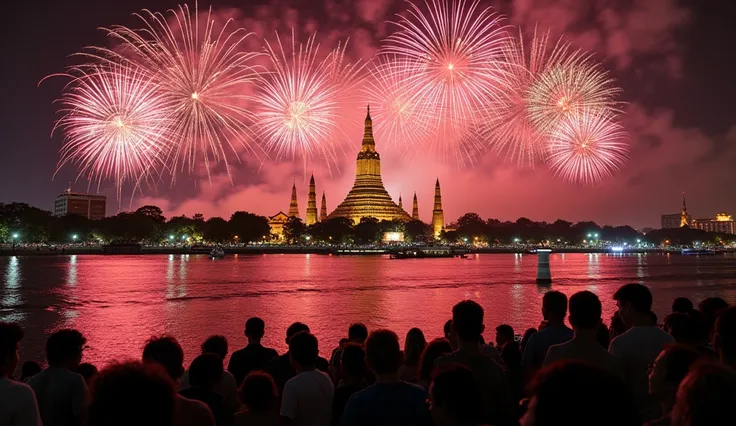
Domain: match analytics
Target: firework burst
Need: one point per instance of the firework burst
(588, 147)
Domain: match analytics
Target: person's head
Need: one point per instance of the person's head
(527, 335)
(707, 396)
(680, 326)
(511, 354)
(682, 304)
(255, 328)
(455, 397)
(617, 325)
(29, 369)
(382, 352)
(449, 334)
(634, 302)
(303, 350)
(435, 349)
(554, 306)
(711, 308)
(344, 341)
(357, 333)
(258, 392)
(64, 349)
(132, 393)
(600, 398)
(467, 321)
(414, 346)
(724, 336)
(167, 352)
(295, 328)
(603, 336)
(88, 371)
(215, 344)
(10, 336)
(352, 361)
(585, 311)
(205, 371)
(669, 369)
(504, 333)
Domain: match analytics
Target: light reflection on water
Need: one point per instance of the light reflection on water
(120, 301)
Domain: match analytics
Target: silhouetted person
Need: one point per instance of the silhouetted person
(281, 369)
(225, 386)
(571, 393)
(711, 308)
(724, 337)
(259, 396)
(525, 338)
(447, 329)
(467, 324)
(204, 373)
(87, 371)
(669, 369)
(166, 352)
(682, 304)
(254, 356)
(504, 333)
(61, 393)
(17, 401)
(353, 369)
(308, 396)
(707, 396)
(29, 369)
(554, 310)
(639, 346)
(389, 401)
(617, 327)
(132, 394)
(585, 317)
(603, 336)
(511, 355)
(455, 397)
(413, 348)
(435, 349)
(357, 333)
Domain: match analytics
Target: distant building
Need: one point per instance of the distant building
(277, 222)
(88, 205)
(677, 220)
(722, 223)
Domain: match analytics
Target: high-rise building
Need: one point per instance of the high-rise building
(722, 223)
(311, 204)
(677, 220)
(293, 206)
(438, 216)
(323, 209)
(415, 208)
(88, 205)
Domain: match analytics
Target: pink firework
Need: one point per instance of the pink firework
(450, 49)
(113, 125)
(588, 147)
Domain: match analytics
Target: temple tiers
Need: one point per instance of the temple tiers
(311, 203)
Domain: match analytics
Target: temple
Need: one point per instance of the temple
(368, 197)
(293, 206)
(684, 217)
(438, 216)
(323, 209)
(311, 204)
(415, 209)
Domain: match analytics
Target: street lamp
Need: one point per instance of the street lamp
(465, 240)
(183, 237)
(590, 235)
(171, 237)
(516, 240)
(15, 235)
(596, 235)
(74, 237)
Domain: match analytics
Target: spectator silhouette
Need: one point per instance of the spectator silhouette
(707, 396)
(204, 374)
(258, 394)
(166, 352)
(29, 369)
(511, 355)
(711, 308)
(413, 348)
(18, 405)
(61, 393)
(724, 338)
(308, 396)
(87, 371)
(639, 346)
(525, 338)
(455, 397)
(668, 371)
(353, 371)
(449, 335)
(467, 325)
(554, 310)
(617, 327)
(435, 349)
(226, 385)
(682, 305)
(281, 369)
(571, 393)
(389, 401)
(603, 336)
(130, 394)
(254, 356)
(585, 318)
(504, 334)
(357, 333)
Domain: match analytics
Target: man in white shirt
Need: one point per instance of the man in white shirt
(307, 397)
(17, 401)
(639, 346)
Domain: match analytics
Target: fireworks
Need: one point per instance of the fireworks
(587, 147)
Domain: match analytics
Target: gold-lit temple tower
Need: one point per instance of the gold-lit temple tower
(368, 197)
(311, 218)
(293, 206)
(684, 217)
(323, 209)
(438, 216)
(415, 209)
(401, 205)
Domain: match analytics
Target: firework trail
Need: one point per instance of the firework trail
(203, 75)
(588, 147)
(113, 125)
(450, 51)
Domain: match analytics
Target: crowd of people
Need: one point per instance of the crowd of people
(633, 372)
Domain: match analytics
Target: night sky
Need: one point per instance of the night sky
(673, 59)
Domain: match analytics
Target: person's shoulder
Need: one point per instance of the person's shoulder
(18, 390)
(238, 353)
(556, 352)
(446, 359)
(414, 389)
(191, 406)
(271, 352)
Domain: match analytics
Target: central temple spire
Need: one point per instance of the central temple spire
(294, 205)
(369, 144)
(438, 216)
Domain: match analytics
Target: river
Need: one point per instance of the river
(118, 302)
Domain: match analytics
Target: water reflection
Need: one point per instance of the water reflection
(71, 276)
(12, 294)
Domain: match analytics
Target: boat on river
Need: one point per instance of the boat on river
(697, 252)
(217, 253)
(426, 252)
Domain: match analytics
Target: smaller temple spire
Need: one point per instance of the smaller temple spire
(294, 205)
(401, 205)
(323, 209)
(311, 217)
(684, 217)
(415, 208)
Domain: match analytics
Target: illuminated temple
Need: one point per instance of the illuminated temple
(368, 197)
